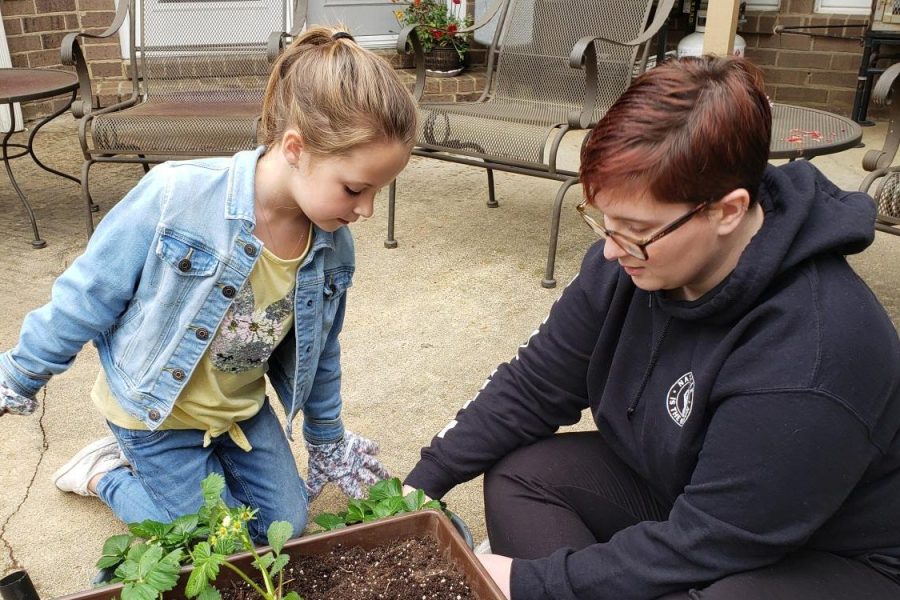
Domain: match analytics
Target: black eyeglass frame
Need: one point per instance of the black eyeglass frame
(637, 248)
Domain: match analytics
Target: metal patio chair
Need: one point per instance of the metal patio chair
(198, 80)
(887, 191)
(553, 67)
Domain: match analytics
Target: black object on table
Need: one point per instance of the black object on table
(800, 132)
(25, 85)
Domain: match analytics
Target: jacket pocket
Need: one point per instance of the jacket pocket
(336, 284)
(187, 257)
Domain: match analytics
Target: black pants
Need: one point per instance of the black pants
(571, 490)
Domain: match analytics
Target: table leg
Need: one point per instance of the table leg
(37, 242)
(37, 128)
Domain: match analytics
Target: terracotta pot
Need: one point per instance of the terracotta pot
(425, 523)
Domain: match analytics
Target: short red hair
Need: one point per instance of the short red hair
(689, 131)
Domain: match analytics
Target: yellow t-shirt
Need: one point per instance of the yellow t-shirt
(228, 386)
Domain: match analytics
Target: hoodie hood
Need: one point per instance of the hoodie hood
(805, 216)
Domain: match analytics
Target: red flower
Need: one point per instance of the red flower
(451, 28)
(456, 1)
(437, 34)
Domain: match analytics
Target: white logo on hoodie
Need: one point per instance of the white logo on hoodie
(680, 398)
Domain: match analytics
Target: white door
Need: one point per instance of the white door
(371, 21)
(6, 61)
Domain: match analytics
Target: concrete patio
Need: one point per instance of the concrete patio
(427, 322)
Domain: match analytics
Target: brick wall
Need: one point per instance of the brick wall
(814, 72)
(35, 29)
(809, 71)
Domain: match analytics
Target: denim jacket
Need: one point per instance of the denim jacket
(156, 280)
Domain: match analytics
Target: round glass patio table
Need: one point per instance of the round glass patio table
(28, 85)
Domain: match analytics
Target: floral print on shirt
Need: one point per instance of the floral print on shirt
(248, 335)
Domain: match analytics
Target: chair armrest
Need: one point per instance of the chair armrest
(278, 41)
(584, 56)
(405, 38)
(72, 55)
(887, 90)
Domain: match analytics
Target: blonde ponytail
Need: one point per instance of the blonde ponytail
(337, 95)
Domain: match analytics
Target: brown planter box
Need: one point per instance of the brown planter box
(425, 523)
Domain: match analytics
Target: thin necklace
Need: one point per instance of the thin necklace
(293, 254)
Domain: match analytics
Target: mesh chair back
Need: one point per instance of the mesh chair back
(538, 35)
(191, 49)
(887, 196)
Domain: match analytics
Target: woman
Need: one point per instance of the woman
(744, 381)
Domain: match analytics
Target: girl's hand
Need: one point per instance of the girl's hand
(13, 403)
(350, 463)
(499, 568)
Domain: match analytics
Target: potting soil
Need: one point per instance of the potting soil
(402, 569)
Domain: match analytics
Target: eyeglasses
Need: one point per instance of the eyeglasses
(637, 248)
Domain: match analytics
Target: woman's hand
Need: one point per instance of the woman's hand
(499, 568)
(408, 488)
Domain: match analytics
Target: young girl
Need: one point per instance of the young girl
(213, 273)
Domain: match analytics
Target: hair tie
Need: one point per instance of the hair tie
(341, 35)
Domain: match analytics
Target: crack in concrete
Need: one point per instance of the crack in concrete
(10, 551)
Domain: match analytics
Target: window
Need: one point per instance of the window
(763, 4)
(844, 7)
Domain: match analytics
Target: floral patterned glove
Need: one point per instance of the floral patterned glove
(350, 463)
(13, 403)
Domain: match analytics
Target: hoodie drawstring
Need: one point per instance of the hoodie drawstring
(654, 356)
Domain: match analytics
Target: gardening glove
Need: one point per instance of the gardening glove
(349, 462)
(16, 404)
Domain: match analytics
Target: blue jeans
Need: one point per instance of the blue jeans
(167, 467)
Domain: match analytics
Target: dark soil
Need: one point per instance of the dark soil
(404, 569)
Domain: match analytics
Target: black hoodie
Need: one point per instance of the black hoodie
(766, 413)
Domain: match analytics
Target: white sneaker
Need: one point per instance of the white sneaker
(484, 547)
(97, 457)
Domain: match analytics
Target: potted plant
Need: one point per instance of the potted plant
(438, 26)
(194, 557)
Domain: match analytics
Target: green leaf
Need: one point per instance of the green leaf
(197, 583)
(356, 511)
(279, 564)
(329, 521)
(435, 504)
(150, 529)
(396, 504)
(186, 524)
(386, 488)
(210, 593)
(212, 487)
(279, 532)
(206, 560)
(164, 574)
(264, 561)
(382, 509)
(292, 596)
(114, 550)
(414, 500)
(150, 557)
(139, 591)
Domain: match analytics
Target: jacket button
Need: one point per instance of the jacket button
(178, 374)
(309, 302)
(228, 291)
(249, 250)
(202, 334)
(184, 265)
(153, 414)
